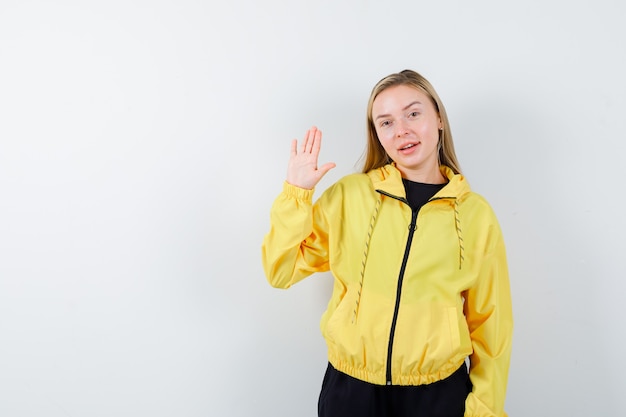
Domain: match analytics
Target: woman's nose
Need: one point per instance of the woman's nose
(401, 128)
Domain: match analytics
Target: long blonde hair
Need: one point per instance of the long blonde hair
(375, 155)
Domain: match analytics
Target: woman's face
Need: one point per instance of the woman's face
(407, 126)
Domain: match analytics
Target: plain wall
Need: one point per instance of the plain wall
(143, 142)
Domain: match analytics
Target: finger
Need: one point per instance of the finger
(305, 141)
(310, 135)
(325, 168)
(317, 143)
(294, 147)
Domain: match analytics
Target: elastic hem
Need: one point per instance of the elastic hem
(379, 378)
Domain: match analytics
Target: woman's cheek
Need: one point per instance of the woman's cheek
(384, 137)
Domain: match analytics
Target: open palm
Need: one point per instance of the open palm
(302, 170)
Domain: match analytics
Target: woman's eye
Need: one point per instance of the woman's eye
(413, 114)
(385, 123)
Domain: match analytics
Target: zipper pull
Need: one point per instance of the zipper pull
(413, 225)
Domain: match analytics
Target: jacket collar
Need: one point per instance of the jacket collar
(389, 180)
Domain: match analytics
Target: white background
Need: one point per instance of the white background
(143, 142)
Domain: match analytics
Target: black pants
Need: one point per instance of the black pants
(345, 396)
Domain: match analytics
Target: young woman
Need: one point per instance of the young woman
(421, 281)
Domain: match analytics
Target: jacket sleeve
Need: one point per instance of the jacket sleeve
(297, 243)
(489, 315)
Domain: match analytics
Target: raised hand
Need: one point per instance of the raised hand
(302, 170)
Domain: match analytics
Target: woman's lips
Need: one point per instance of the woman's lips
(408, 148)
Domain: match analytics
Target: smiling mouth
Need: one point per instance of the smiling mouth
(410, 145)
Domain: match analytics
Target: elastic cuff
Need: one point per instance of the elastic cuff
(297, 192)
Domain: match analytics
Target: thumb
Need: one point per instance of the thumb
(325, 168)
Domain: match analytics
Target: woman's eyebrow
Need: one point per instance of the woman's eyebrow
(404, 108)
(412, 104)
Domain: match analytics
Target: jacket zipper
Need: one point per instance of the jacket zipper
(396, 310)
(407, 249)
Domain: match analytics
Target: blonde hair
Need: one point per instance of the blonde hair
(375, 155)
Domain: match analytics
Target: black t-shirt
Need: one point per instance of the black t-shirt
(418, 193)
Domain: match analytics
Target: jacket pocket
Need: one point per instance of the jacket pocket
(453, 325)
(427, 336)
(340, 319)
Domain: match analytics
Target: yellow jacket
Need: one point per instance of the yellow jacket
(414, 295)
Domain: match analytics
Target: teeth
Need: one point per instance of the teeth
(408, 146)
